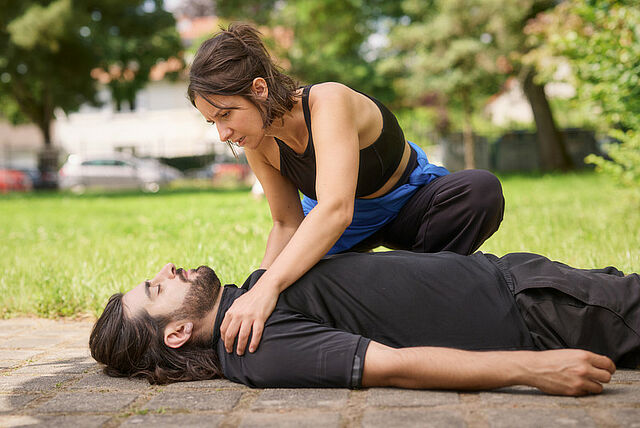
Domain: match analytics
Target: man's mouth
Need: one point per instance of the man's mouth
(183, 274)
(240, 142)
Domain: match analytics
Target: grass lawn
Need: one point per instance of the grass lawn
(64, 255)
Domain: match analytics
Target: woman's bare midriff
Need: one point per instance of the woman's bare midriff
(397, 174)
(272, 154)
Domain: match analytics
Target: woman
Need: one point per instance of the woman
(364, 185)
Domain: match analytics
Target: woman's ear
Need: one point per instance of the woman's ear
(259, 88)
(177, 333)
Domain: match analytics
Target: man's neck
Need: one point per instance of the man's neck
(208, 321)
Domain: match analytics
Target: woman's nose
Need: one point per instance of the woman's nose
(224, 133)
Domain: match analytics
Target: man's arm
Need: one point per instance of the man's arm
(561, 372)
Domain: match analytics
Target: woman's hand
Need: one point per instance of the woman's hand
(569, 371)
(248, 313)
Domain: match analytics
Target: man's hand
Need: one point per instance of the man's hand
(568, 371)
(248, 312)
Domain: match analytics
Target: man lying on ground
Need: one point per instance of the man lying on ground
(401, 319)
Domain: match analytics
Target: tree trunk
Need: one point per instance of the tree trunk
(48, 156)
(467, 135)
(553, 151)
(45, 127)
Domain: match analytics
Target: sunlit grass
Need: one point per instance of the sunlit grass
(581, 219)
(64, 255)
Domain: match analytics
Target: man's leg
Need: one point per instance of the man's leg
(564, 371)
(564, 307)
(455, 212)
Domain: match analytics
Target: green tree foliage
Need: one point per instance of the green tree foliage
(465, 49)
(461, 48)
(49, 48)
(601, 41)
(258, 11)
(445, 48)
(329, 37)
(130, 40)
(43, 64)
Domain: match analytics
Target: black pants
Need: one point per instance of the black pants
(564, 307)
(455, 212)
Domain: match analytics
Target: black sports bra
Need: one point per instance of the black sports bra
(377, 161)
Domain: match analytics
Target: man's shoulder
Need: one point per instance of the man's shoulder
(252, 279)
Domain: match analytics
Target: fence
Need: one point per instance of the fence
(516, 151)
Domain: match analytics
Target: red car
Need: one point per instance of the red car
(14, 180)
(231, 170)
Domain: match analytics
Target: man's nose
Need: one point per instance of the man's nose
(168, 271)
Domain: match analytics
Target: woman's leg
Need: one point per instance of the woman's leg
(455, 212)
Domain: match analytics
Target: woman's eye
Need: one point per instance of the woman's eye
(225, 114)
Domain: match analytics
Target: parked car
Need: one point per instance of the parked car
(12, 180)
(224, 168)
(40, 180)
(115, 171)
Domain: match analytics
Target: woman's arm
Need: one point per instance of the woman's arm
(561, 372)
(337, 156)
(278, 238)
(284, 204)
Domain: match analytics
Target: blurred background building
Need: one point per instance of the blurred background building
(111, 76)
(163, 124)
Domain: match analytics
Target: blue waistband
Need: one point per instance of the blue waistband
(369, 215)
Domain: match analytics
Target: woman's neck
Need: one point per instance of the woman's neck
(291, 128)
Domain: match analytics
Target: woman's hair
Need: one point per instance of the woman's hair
(133, 346)
(227, 64)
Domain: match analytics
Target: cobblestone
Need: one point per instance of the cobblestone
(413, 417)
(48, 379)
(534, 418)
(171, 421)
(300, 398)
(290, 420)
(195, 400)
(65, 402)
(408, 398)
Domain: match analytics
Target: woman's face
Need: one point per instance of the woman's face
(235, 117)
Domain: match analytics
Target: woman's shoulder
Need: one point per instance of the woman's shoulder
(331, 92)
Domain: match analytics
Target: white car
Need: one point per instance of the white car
(115, 171)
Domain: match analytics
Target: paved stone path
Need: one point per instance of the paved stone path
(48, 378)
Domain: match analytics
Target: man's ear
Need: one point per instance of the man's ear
(259, 88)
(177, 333)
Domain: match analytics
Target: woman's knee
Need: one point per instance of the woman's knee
(485, 192)
(486, 186)
(485, 200)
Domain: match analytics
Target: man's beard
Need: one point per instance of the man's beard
(201, 296)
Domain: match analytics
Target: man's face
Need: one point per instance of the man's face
(175, 293)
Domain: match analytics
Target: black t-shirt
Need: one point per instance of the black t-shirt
(319, 331)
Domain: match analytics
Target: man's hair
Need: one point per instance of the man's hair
(133, 346)
(227, 63)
